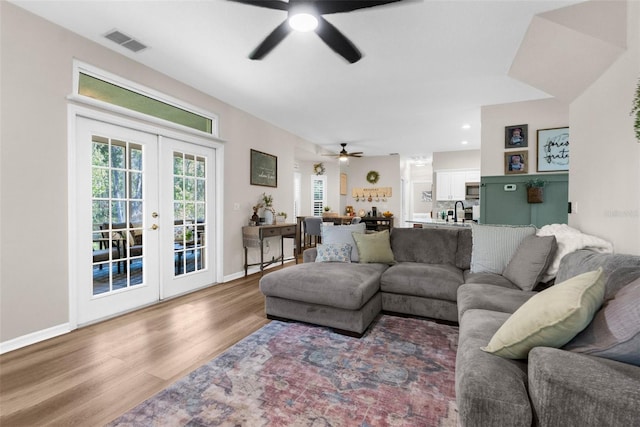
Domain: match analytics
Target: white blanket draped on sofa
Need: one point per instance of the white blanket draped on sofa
(569, 240)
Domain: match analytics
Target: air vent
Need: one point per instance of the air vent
(125, 41)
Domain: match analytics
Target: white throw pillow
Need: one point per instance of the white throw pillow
(494, 245)
(342, 234)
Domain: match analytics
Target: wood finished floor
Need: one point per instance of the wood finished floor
(92, 375)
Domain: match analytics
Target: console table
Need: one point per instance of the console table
(253, 237)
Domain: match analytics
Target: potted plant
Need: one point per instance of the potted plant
(535, 190)
(269, 212)
(281, 217)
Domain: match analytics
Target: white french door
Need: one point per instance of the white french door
(187, 231)
(144, 228)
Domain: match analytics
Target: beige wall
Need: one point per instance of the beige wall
(463, 159)
(540, 114)
(604, 179)
(36, 67)
(389, 169)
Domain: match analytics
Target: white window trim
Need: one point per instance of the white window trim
(84, 68)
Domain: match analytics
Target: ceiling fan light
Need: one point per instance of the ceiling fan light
(343, 157)
(303, 22)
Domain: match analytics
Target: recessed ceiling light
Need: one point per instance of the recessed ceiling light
(466, 126)
(464, 142)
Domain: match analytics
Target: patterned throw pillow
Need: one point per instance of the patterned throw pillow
(333, 252)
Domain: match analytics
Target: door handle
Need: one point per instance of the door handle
(154, 227)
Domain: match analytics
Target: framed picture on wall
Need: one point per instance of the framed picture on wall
(264, 169)
(553, 149)
(343, 184)
(515, 162)
(516, 136)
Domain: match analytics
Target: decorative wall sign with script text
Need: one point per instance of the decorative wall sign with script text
(553, 149)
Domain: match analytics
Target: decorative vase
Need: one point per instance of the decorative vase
(268, 216)
(255, 218)
(535, 195)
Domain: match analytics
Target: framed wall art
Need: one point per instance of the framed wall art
(343, 184)
(516, 136)
(553, 149)
(515, 162)
(264, 169)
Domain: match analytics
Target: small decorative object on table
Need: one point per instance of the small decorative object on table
(535, 191)
(281, 217)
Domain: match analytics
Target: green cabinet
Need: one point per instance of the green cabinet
(503, 200)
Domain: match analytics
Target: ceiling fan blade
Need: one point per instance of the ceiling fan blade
(337, 41)
(271, 41)
(338, 6)
(356, 153)
(269, 4)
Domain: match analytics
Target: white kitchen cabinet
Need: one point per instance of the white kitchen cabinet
(450, 185)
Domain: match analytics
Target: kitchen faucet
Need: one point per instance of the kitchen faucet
(455, 210)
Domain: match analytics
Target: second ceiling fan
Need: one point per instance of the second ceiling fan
(306, 15)
(343, 155)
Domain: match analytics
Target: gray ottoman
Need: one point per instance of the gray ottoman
(343, 296)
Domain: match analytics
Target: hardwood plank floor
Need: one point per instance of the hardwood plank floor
(92, 375)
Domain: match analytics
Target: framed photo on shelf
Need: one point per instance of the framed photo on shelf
(516, 136)
(553, 149)
(264, 169)
(515, 162)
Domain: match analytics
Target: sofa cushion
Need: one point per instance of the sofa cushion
(439, 281)
(494, 245)
(529, 263)
(489, 279)
(490, 297)
(490, 390)
(333, 252)
(425, 245)
(614, 332)
(571, 389)
(374, 247)
(551, 318)
(342, 234)
(342, 285)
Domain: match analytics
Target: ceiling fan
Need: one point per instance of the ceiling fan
(306, 15)
(343, 155)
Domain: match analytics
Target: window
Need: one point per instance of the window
(318, 194)
(99, 85)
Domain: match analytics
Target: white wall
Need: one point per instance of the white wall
(540, 114)
(36, 67)
(604, 179)
(462, 159)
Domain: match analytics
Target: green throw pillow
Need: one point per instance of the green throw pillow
(374, 247)
(551, 318)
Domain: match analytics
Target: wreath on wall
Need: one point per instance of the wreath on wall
(318, 168)
(636, 110)
(373, 177)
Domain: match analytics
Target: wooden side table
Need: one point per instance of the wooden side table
(253, 236)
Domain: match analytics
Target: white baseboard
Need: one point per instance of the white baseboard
(34, 337)
(252, 270)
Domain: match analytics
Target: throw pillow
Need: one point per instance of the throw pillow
(528, 264)
(551, 318)
(333, 252)
(614, 332)
(374, 247)
(494, 245)
(342, 234)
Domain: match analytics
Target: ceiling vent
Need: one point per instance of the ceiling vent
(125, 41)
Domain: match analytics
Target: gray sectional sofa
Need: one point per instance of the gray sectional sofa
(431, 278)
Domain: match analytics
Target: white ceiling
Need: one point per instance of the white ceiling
(426, 70)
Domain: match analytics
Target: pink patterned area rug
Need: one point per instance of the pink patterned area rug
(401, 373)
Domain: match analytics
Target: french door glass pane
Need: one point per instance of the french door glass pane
(189, 210)
(117, 212)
